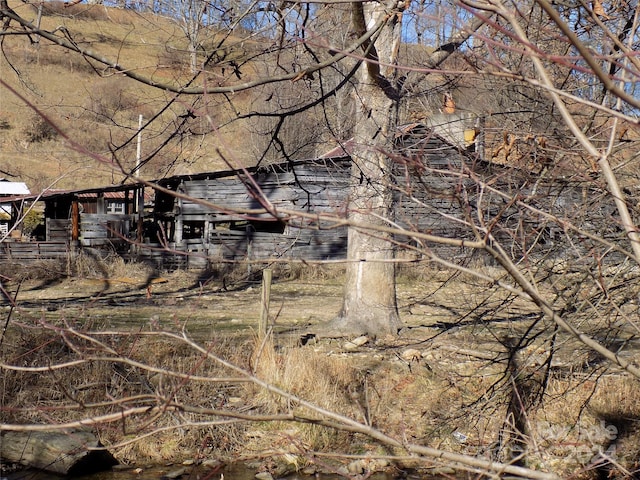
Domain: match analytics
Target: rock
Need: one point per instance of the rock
(343, 471)
(264, 476)
(356, 467)
(444, 471)
(356, 342)
(310, 470)
(411, 355)
(212, 463)
(381, 463)
(365, 466)
(285, 466)
(63, 452)
(177, 473)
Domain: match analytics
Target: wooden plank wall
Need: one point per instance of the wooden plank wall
(308, 188)
(105, 229)
(55, 247)
(428, 187)
(27, 252)
(58, 230)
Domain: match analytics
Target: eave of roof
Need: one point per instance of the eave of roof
(13, 188)
(277, 167)
(52, 194)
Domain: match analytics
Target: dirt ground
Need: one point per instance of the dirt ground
(294, 302)
(441, 382)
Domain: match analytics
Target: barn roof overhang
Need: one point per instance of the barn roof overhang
(173, 181)
(111, 191)
(8, 188)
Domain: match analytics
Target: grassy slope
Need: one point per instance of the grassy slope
(78, 97)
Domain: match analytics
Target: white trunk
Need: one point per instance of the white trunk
(369, 304)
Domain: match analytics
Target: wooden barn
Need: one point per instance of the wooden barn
(441, 186)
(193, 218)
(199, 221)
(103, 219)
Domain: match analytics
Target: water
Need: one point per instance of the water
(233, 472)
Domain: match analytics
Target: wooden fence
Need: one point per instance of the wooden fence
(27, 252)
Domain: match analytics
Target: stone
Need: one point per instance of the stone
(264, 476)
(212, 463)
(62, 452)
(357, 467)
(356, 342)
(411, 355)
(177, 473)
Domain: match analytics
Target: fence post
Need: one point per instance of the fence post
(267, 275)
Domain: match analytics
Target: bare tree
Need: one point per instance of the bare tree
(370, 297)
(192, 14)
(565, 117)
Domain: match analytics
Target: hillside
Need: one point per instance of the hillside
(98, 109)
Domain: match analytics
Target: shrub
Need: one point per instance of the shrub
(112, 99)
(30, 221)
(39, 130)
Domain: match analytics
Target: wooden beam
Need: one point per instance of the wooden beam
(75, 221)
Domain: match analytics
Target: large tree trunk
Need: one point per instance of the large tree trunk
(369, 304)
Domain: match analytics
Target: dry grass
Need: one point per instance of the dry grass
(433, 399)
(46, 270)
(89, 104)
(86, 266)
(329, 381)
(110, 267)
(321, 379)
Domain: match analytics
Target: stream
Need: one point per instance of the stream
(233, 472)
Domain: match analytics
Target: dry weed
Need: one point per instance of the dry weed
(303, 271)
(111, 266)
(44, 270)
(311, 375)
(447, 401)
(39, 130)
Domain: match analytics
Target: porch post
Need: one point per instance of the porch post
(75, 221)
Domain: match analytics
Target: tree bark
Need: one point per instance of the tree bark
(369, 301)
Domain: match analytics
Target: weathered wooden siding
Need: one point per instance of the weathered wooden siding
(27, 252)
(435, 193)
(58, 230)
(317, 187)
(106, 230)
(56, 246)
(109, 230)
